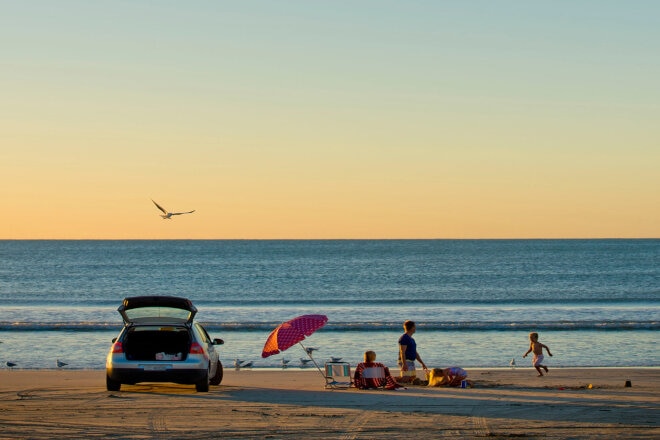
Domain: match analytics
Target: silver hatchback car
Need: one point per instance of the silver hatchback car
(161, 343)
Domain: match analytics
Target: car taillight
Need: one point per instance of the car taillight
(195, 348)
(117, 347)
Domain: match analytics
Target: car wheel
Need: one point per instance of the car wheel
(203, 385)
(112, 385)
(215, 380)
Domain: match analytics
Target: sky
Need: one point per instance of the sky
(330, 119)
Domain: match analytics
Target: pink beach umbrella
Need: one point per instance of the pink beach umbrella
(293, 332)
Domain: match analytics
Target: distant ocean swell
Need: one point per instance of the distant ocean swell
(358, 327)
(25, 300)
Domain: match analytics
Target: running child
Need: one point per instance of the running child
(537, 348)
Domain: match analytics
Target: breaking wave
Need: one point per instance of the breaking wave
(358, 327)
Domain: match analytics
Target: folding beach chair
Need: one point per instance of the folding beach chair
(338, 375)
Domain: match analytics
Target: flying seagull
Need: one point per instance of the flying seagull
(168, 215)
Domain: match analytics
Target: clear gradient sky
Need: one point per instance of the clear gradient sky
(330, 119)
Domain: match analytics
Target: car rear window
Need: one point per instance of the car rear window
(146, 313)
(158, 328)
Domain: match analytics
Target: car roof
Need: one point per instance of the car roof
(157, 309)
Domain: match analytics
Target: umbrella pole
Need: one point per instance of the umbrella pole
(317, 365)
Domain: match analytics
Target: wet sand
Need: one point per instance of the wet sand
(291, 404)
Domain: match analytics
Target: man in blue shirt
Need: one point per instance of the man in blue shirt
(408, 354)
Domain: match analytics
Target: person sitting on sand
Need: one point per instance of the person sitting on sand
(537, 348)
(448, 377)
(372, 374)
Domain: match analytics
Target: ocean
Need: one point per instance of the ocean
(595, 303)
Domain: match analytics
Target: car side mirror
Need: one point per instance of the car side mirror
(218, 341)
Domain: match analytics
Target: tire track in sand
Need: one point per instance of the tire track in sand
(355, 427)
(157, 422)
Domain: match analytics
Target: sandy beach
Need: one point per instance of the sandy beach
(567, 403)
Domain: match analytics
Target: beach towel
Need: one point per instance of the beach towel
(374, 375)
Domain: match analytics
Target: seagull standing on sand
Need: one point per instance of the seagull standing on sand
(309, 350)
(304, 362)
(10, 364)
(512, 364)
(284, 363)
(60, 364)
(168, 215)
